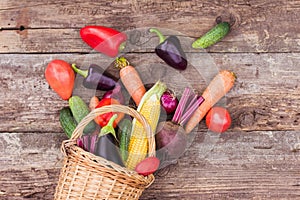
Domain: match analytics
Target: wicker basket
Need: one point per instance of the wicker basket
(86, 176)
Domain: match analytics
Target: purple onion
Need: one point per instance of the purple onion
(115, 93)
(169, 101)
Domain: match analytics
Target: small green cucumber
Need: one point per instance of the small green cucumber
(124, 133)
(67, 121)
(213, 36)
(79, 110)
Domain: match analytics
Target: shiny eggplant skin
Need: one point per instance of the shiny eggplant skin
(96, 79)
(171, 52)
(106, 147)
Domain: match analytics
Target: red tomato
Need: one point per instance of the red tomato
(218, 119)
(103, 119)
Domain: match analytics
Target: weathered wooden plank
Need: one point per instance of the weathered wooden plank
(240, 149)
(30, 163)
(258, 26)
(30, 150)
(69, 41)
(265, 97)
(242, 165)
(253, 160)
(229, 155)
(206, 184)
(28, 183)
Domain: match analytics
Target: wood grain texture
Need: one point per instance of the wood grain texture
(27, 102)
(257, 158)
(242, 165)
(30, 163)
(53, 26)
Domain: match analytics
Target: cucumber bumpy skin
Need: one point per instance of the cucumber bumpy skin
(124, 133)
(67, 121)
(212, 36)
(79, 110)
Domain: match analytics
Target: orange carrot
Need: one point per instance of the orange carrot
(216, 89)
(131, 80)
(93, 102)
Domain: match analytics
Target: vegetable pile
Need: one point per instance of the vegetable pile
(116, 136)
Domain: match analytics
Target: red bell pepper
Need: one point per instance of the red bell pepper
(103, 39)
(103, 119)
(61, 77)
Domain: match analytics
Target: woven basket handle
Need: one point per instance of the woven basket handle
(77, 133)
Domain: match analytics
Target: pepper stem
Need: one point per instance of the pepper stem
(161, 37)
(108, 128)
(122, 46)
(121, 62)
(83, 73)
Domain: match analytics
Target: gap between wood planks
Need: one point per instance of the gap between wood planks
(147, 52)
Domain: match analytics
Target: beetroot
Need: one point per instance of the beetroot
(171, 138)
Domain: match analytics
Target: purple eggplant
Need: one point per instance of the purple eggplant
(170, 50)
(106, 145)
(96, 78)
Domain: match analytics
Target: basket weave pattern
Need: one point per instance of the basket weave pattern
(86, 176)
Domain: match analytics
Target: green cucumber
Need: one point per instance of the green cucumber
(67, 121)
(79, 110)
(213, 36)
(124, 133)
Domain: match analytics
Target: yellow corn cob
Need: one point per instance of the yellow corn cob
(138, 145)
(149, 107)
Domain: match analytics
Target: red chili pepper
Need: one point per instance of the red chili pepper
(61, 77)
(103, 39)
(103, 119)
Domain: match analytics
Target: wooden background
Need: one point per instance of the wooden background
(258, 158)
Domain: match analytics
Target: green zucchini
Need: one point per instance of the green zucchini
(213, 36)
(79, 110)
(67, 121)
(123, 134)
